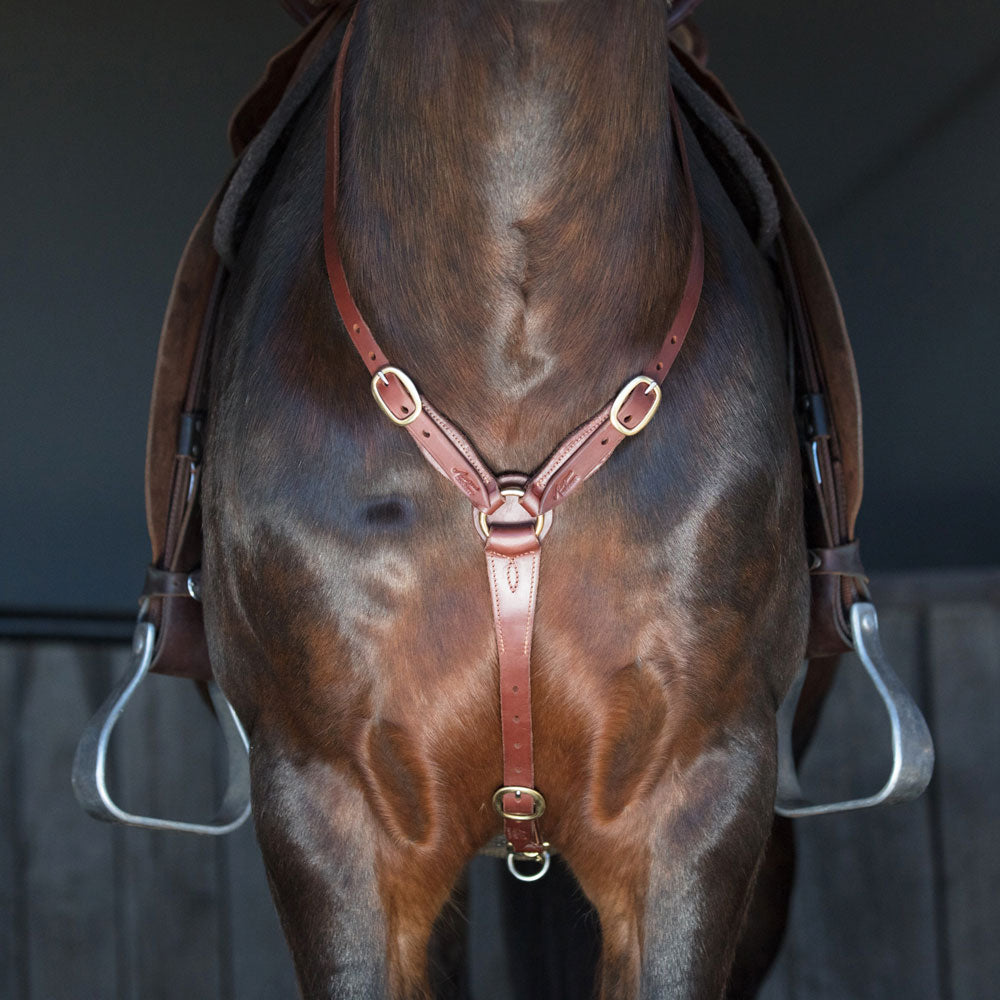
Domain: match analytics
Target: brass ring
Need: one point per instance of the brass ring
(518, 790)
(510, 491)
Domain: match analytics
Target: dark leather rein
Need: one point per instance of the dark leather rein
(512, 511)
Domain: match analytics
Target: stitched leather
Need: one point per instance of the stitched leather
(513, 554)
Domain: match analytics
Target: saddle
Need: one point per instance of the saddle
(822, 375)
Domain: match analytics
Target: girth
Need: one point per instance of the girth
(512, 511)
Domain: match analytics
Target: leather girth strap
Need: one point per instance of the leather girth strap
(514, 508)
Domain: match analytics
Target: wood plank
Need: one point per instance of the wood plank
(965, 647)
(261, 964)
(13, 969)
(172, 918)
(863, 917)
(489, 954)
(68, 862)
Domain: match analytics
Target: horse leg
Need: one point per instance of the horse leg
(357, 911)
(767, 918)
(671, 888)
(316, 840)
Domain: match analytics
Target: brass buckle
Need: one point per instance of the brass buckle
(518, 790)
(509, 491)
(652, 386)
(407, 382)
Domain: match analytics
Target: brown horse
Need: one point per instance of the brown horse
(515, 227)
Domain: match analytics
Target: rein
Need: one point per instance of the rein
(513, 511)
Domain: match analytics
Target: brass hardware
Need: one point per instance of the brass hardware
(519, 790)
(543, 860)
(510, 491)
(380, 376)
(652, 386)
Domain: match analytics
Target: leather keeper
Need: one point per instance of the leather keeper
(164, 583)
(181, 647)
(829, 629)
(842, 560)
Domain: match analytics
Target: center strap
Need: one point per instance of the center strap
(511, 527)
(513, 555)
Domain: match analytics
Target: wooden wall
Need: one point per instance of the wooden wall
(896, 902)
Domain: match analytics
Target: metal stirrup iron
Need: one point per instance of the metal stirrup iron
(912, 748)
(91, 761)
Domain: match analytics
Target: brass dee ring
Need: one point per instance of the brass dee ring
(518, 790)
(407, 382)
(652, 386)
(510, 491)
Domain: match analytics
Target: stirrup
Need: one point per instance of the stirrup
(90, 762)
(912, 747)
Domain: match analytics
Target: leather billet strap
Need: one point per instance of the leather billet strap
(512, 519)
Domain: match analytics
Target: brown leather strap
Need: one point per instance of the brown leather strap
(164, 583)
(841, 560)
(513, 555)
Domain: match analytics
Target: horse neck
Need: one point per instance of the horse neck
(509, 216)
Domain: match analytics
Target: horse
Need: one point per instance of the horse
(515, 225)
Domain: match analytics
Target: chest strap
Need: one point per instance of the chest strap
(513, 512)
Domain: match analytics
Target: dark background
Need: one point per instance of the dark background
(883, 115)
(112, 137)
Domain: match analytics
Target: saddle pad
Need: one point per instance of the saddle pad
(739, 170)
(263, 151)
